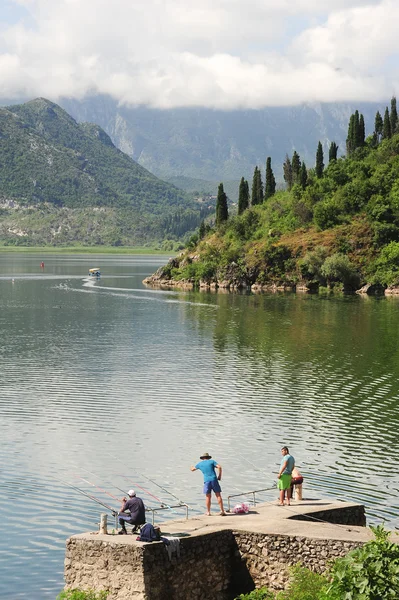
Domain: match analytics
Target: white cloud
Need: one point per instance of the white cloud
(217, 53)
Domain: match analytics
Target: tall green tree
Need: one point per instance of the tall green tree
(296, 167)
(319, 168)
(351, 136)
(378, 125)
(362, 132)
(303, 180)
(332, 152)
(257, 188)
(270, 182)
(356, 131)
(287, 172)
(202, 230)
(243, 196)
(394, 116)
(386, 128)
(222, 213)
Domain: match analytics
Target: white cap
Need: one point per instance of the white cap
(131, 493)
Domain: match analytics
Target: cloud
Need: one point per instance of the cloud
(217, 53)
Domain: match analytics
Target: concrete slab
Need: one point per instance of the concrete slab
(266, 518)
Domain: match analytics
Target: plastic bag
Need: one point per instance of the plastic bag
(241, 509)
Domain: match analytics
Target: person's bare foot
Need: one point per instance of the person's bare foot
(207, 514)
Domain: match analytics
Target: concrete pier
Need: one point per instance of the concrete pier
(217, 557)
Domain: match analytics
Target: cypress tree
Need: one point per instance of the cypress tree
(270, 182)
(254, 193)
(304, 176)
(222, 213)
(378, 125)
(350, 137)
(386, 128)
(287, 172)
(362, 131)
(202, 230)
(243, 196)
(296, 167)
(319, 161)
(394, 116)
(257, 188)
(333, 151)
(356, 131)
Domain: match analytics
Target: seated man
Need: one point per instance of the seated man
(136, 508)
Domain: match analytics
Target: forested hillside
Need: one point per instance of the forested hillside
(336, 224)
(63, 182)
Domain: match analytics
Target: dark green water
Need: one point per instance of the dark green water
(108, 382)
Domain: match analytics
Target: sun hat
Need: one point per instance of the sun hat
(206, 455)
(131, 493)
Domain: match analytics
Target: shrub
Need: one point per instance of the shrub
(326, 214)
(261, 594)
(82, 595)
(304, 585)
(367, 573)
(386, 267)
(312, 263)
(339, 268)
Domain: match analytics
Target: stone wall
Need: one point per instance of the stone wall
(267, 558)
(212, 566)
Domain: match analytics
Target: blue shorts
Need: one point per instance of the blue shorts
(211, 485)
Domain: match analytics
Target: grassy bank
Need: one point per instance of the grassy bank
(85, 250)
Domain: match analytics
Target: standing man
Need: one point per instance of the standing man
(285, 475)
(211, 482)
(136, 508)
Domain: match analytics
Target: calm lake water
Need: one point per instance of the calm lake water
(105, 382)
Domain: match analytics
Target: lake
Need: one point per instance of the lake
(106, 383)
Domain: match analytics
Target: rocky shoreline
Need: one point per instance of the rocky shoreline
(162, 279)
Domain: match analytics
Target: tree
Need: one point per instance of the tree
(362, 131)
(270, 183)
(296, 167)
(287, 172)
(202, 230)
(333, 152)
(386, 128)
(222, 213)
(350, 137)
(378, 125)
(303, 179)
(319, 161)
(243, 196)
(257, 188)
(394, 116)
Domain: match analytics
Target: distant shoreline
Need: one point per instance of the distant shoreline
(86, 250)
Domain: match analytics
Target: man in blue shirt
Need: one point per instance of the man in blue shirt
(285, 475)
(211, 482)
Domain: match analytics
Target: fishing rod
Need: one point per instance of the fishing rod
(96, 486)
(74, 487)
(162, 488)
(127, 477)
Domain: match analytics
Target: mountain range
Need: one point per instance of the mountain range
(202, 147)
(65, 182)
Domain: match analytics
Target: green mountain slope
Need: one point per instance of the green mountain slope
(49, 161)
(338, 229)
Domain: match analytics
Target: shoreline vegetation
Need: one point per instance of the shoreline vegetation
(333, 227)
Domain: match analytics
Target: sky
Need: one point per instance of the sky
(222, 54)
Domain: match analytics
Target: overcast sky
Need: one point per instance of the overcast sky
(214, 53)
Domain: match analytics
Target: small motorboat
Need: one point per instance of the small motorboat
(95, 272)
